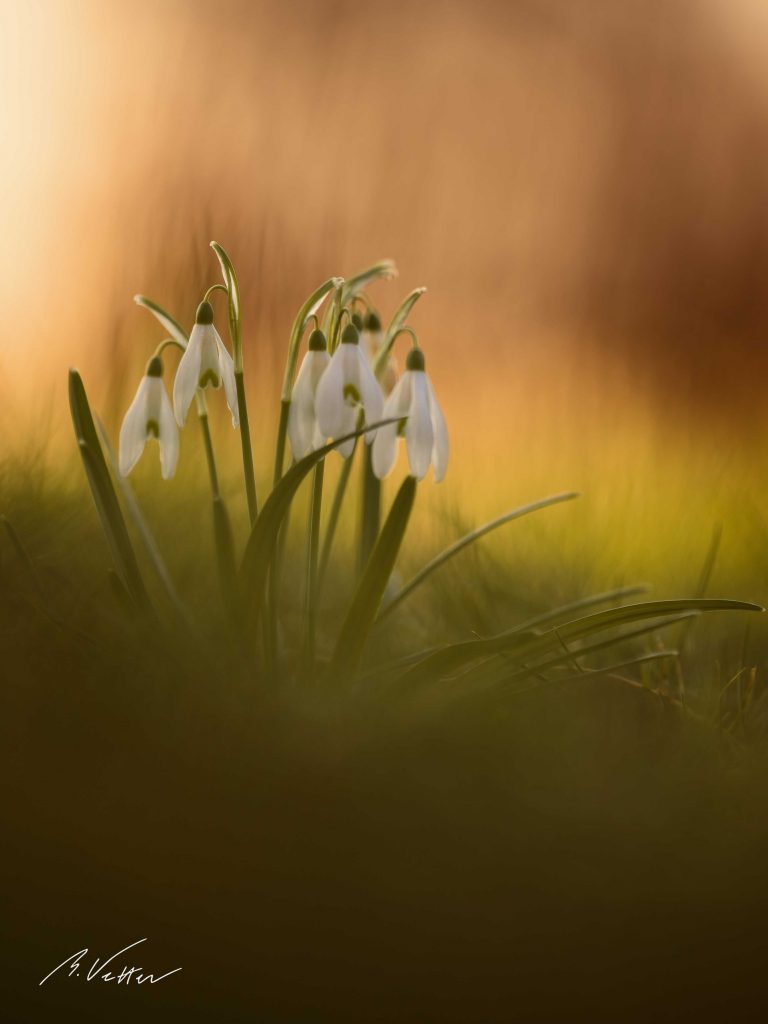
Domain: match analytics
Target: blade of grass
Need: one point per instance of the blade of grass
(468, 539)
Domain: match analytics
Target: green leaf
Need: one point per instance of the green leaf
(173, 327)
(398, 320)
(385, 269)
(468, 539)
(260, 547)
(365, 603)
(233, 294)
(584, 602)
(456, 656)
(103, 492)
(311, 306)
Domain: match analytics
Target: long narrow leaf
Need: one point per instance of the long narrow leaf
(103, 491)
(451, 658)
(584, 602)
(233, 304)
(468, 539)
(365, 603)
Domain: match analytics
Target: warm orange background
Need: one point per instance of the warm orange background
(583, 186)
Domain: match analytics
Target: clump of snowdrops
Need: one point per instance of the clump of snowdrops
(343, 397)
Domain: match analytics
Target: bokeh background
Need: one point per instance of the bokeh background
(582, 187)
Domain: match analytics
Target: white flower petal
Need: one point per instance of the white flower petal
(419, 435)
(370, 393)
(330, 406)
(210, 356)
(348, 424)
(187, 376)
(301, 415)
(227, 377)
(303, 432)
(133, 432)
(169, 437)
(442, 446)
(384, 451)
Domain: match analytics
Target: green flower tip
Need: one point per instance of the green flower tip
(372, 322)
(155, 367)
(415, 360)
(350, 335)
(357, 320)
(317, 342)
(204, 313)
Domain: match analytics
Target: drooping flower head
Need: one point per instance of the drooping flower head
(372, 340)
(347, 387)
(150, 416)
(413, 403)
(205, 363)
(303, 431)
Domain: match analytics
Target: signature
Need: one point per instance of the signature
(99, 972)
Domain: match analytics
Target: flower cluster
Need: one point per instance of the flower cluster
(334, 394)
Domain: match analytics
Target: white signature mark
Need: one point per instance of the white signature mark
(98, 970)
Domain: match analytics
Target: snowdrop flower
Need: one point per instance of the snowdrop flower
(150, 415)
(372, 339)
(303, 431)
(421, 422)
(347, 386)
(205, 361)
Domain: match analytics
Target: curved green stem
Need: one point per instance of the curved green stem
(166, 343)
(215, 288)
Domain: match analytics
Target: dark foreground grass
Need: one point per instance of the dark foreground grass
(584, 851)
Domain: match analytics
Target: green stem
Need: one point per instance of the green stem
(222, 530)
(245, 441)
(210, 458)
(333, 518)
(312, 561)
(215, 288)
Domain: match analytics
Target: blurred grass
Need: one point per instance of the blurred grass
(321, 854)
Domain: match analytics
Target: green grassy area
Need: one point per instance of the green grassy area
(577, 848)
